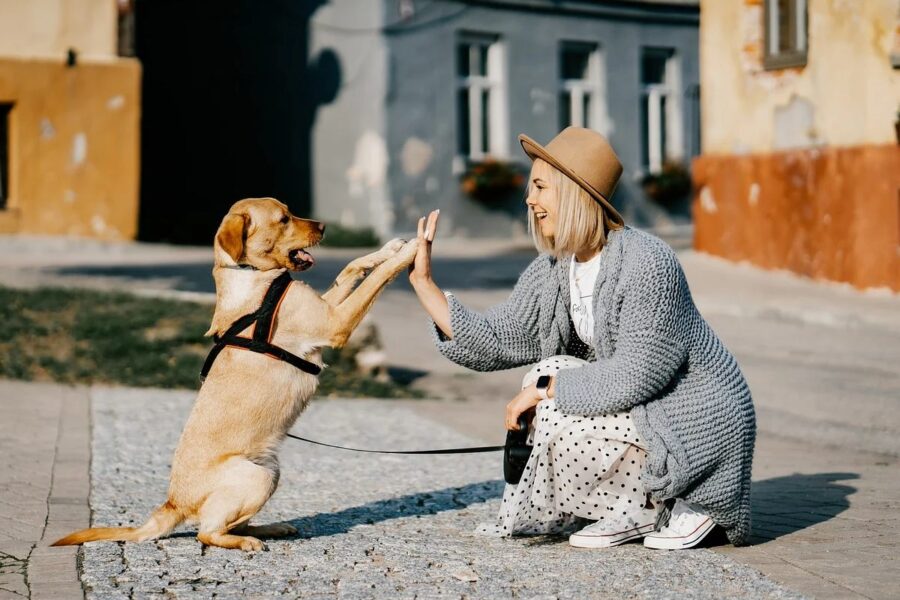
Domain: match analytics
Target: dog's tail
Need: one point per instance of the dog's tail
(163, 520)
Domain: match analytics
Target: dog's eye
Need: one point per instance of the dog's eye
(285, 219)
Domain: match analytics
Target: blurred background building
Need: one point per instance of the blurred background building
(69, 121)
(368, 114)
(801, 124)
(148, 118)
(433, 93)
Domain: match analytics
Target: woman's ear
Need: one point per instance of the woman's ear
(231, 235)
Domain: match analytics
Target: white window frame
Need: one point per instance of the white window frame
(794, 57)
(654, 94)
(593, 86)
(494, 83)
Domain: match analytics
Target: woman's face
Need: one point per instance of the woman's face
(543, 198)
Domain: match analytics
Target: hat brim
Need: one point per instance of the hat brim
(535, 150)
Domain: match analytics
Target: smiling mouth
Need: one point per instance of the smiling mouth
(301, 259)
(540, 215)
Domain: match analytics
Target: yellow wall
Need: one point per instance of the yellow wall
(48, 28)
(74, 147)
(848, 94)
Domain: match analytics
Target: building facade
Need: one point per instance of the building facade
(69, 121)
(801, 164)
(431, 90)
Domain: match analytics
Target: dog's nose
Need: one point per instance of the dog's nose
(321, 227)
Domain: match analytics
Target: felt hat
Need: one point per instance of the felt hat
(586, 158)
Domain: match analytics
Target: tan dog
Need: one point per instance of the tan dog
(225, 467)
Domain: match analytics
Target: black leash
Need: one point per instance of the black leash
(441, 451)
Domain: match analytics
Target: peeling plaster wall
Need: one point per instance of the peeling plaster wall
(48, 28)
(830, 213)
(350, 157)
(74, 147)
(801, 166)
(847, 94)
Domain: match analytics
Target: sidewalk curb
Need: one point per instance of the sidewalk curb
(53, 572)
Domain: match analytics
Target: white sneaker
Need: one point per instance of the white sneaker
(602, 535)
(687, 527)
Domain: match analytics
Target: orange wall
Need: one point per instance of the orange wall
(830, 213)
(74, 147)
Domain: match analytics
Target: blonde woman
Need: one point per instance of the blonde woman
(643, 423)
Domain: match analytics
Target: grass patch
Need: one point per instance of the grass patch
(82, 336)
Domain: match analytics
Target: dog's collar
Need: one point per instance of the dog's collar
(240, 267)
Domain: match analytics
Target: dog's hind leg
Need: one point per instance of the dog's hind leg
(243, 487)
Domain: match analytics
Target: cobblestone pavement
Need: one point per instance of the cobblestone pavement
(370, 526)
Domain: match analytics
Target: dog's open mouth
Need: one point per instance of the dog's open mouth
(301, 259)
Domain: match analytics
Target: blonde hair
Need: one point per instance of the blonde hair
(582, 222)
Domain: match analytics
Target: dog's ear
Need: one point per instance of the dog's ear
(231, 235)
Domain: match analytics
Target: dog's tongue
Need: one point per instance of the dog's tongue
(302, 259)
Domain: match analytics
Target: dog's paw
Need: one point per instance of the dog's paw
(393, 246)
(408, 253)
(251, 544)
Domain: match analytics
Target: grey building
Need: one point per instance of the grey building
(429, 88)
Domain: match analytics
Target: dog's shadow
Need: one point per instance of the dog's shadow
(411, 505)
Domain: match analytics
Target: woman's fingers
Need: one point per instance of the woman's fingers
(431, 228)
(511, 417)
(421, 228)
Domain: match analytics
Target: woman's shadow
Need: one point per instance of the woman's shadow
(780, 505)
(783, 505)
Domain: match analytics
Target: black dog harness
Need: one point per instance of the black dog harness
(262, 320)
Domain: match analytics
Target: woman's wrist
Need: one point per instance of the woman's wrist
(421, 282)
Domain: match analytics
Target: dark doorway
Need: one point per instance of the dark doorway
(5, 109)
(229, 98)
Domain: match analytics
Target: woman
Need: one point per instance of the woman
(645, 425)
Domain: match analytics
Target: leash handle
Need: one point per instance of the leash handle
(439, 451)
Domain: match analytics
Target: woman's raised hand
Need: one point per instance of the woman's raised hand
(429, 294)
(420, 269)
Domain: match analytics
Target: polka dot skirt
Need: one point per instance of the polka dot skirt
(580, 468)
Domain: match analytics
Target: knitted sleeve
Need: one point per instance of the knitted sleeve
(504, 336)
(649, 349)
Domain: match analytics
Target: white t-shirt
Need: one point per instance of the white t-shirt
(582, 277)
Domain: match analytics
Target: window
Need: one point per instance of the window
(582, 102)
(5, 109)
(660, 108)
(481, 103)
(785, 33)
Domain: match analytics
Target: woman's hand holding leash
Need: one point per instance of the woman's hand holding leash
(525, 401)
(430, 295)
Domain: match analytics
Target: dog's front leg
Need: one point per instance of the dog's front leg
(357, 269)
(349, 313)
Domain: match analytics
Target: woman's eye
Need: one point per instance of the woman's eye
(285, 219)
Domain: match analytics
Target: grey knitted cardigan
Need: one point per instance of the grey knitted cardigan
(653, 355)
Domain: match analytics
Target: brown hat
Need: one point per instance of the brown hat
(586, 158)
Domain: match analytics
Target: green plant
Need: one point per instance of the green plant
(491, 180)
(339, 236)
(669, 186)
